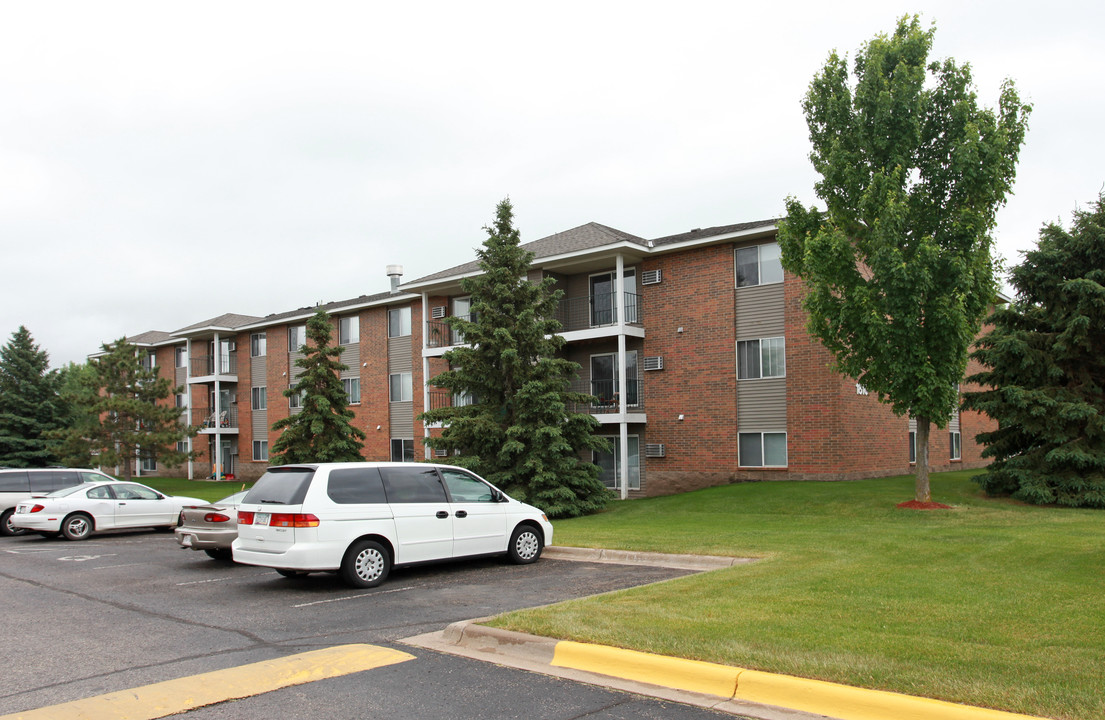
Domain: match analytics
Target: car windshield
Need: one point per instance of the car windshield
(66, 491)
(235, 499)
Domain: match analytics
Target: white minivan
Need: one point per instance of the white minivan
(361, 519)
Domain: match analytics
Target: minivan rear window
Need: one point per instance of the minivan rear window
(281, 486)
(349, 486)
(13, 481)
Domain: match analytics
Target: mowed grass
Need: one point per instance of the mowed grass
(991, 603)
(203, 489)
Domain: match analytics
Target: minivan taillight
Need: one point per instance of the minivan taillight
(245, 517)
(215, 517)
(293, 520)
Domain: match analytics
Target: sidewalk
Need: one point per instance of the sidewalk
(741, 692)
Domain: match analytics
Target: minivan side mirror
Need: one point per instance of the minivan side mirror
(497, 495)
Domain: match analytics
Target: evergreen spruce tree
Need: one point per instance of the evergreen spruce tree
(517, 431)
(322, 431)
(131, 419)
(29, 407)
(1045, 376)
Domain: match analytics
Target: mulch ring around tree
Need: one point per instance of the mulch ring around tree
(918, 505)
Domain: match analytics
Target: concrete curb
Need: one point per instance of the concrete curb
(739, 691)
(624, 557)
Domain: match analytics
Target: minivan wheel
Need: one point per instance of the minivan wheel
(366, 564)
(525, 545)
(77, 526)
(6, 527)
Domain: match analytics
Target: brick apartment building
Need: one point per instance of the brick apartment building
(694, 346)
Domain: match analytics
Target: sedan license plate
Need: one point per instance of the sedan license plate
(261, 518)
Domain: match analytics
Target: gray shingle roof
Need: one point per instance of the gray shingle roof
(701, 233)
(228, 320)
(150, 337)
(584, 237)
(328, 307)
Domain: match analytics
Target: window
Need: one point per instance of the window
(604, 297)
(258, 345)
(297, 337)
(912, 447)
(149, 464)
(764, 358)
(260, 449)
(759, 265)
(402, 388)
(463, 488)
(402, 450)
(181, 356)
(610, 463)
(349, 330)
(399, 322)
(182, 446)
(296, 400)
(352, 387)
(462, 308)
(412, 484)
(955, 441)
(258, 398)
(767, 449)
(605, 381)
(181, 400)
(355, 486)
(148, 361)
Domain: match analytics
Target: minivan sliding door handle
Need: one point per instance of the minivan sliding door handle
(442, 514)
(462, 513)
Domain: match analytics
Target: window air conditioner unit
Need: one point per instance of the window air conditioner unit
(654, 450)
(438, 312)
(651, 277)
(440, 452)
(654, 363)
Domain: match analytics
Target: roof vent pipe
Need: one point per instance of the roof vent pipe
(395, 272)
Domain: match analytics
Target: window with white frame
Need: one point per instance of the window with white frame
(297, 337)
(181, 356)
(606, 381)
(260, 449)
(763, 358)
(181, 400)
(955, 442)
(258, 345)
(399, 321)
(402, 450)
(759, 265)
(352, 387)
(610, 462)
(401, 387)
(258, 398)
(182, 446)
(762, 449)
(349, 330)
(148, 361)
(295, 400)
(149, 464)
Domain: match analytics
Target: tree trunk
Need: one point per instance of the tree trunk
(922, 493)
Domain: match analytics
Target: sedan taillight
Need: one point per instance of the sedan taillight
(245, 517)
(215, 518)
(38, 508)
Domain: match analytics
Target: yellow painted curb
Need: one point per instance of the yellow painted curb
(175, 696)
(814, 696)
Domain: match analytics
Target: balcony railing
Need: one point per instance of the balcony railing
(439, 334)
(444, 398)
(606, 393)
(598, 310)
(207, 420)
(204, 365)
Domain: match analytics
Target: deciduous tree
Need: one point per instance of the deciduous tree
(898, 268)
(322, 431)
(1045, 376)
(517, 429)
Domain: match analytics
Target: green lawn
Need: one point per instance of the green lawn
(992, 603)
(203, 489)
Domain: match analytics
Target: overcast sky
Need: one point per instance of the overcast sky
(161, 163)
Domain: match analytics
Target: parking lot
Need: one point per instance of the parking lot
(125, 610)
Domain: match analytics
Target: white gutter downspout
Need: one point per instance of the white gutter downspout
(623, 382)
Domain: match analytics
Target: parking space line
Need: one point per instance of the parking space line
(220, 579)
(176, 696)
(352, 597)
(107, 567)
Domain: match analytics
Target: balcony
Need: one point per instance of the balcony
(607, 398)
(206, 365)
(597, 311)
(227, 420)
(443, 398)
(439, 334)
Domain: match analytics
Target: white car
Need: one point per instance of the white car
(362, 519)
(77, 512)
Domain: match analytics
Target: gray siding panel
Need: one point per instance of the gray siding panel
(258, 370)
(293, 370)
(351, 356)
(762, 405)
(401, 417)
(760, 311)
(260, 425)
(399, 355)
(181, 376)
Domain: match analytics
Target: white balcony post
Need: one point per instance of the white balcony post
(218, 454)
(623, 381)
(425, 369)
(188, 404)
